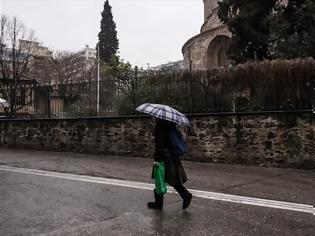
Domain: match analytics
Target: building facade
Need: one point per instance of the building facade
(208, 49)
(87, 53)
(174, 66)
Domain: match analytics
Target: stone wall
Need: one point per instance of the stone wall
(195, 50)
(274, 139)
(266, 139)
(209, 6)
(212, 21)
(114, 136)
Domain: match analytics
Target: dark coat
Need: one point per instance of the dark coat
(174, 170)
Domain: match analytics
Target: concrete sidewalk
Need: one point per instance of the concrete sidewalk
(277, 184)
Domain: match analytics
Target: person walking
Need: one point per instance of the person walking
(175, 174)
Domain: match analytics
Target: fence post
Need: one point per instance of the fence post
(49, 100)
(134, 90)
(313, 95)
(90, 93)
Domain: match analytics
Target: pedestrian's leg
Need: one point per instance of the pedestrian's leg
(158, 203)
(184, 193)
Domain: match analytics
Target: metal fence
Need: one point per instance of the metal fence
(189, 93)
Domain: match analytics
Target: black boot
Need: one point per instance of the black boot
(187, 200)
(158, 204)
(185, 194)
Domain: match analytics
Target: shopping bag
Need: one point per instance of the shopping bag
(159, 174)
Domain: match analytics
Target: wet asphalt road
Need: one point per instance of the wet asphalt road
(35, 205)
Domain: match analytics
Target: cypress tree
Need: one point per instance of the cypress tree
(108, 42)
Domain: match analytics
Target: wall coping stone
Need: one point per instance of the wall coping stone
(195, 115)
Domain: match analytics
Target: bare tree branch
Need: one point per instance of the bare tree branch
(18, 47)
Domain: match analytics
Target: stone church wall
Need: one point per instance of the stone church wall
(212, 22)
(195, 50)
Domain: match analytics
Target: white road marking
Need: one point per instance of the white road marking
(197, 193)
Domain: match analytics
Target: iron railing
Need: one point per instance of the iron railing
(189, 93)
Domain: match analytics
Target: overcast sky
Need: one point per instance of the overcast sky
(149, 31)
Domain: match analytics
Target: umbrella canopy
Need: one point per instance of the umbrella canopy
(164, 112)
(4, 103)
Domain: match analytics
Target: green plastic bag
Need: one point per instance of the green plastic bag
(159, 174)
